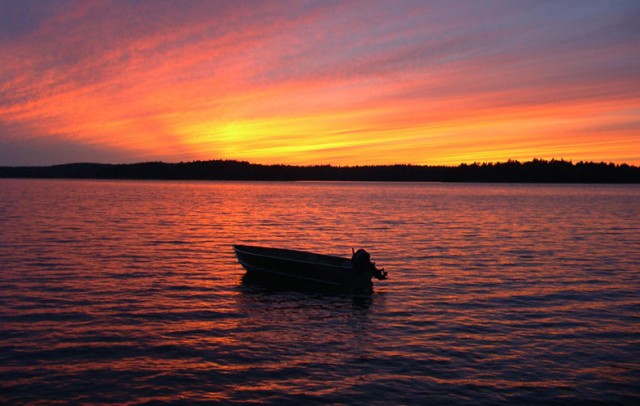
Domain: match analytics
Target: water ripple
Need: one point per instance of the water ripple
(128, 292)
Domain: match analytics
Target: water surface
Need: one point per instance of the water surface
(128, 292)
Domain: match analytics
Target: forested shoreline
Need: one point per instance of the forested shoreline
(535, 171)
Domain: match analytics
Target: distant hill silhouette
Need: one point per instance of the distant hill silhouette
(536, 171)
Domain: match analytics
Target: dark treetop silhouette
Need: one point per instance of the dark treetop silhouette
(543, 171)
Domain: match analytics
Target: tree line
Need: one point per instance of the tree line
(535, 171)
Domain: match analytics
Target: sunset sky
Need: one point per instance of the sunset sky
(319, 82)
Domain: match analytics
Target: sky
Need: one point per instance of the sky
(319, 82)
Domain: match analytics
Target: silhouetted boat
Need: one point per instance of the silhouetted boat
(300, 270)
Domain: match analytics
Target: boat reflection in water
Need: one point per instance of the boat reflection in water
(298, 270)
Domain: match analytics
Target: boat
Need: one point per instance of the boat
(300, 270)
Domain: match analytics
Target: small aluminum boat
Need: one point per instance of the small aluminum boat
(300, 270)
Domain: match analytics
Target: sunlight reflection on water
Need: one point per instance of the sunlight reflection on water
(130, 292)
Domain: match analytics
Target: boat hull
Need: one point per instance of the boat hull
(299, 270)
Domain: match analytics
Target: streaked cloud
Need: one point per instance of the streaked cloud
(319, 82)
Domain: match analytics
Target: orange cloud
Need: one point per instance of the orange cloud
(313, 84)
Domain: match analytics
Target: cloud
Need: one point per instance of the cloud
(167, 80)
(20, 147)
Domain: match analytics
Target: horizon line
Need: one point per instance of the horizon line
(510, 160)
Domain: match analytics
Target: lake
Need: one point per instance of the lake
(129, 292)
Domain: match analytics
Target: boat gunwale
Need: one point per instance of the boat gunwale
(345, 266)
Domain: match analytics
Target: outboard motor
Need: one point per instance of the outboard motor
(361, 261)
